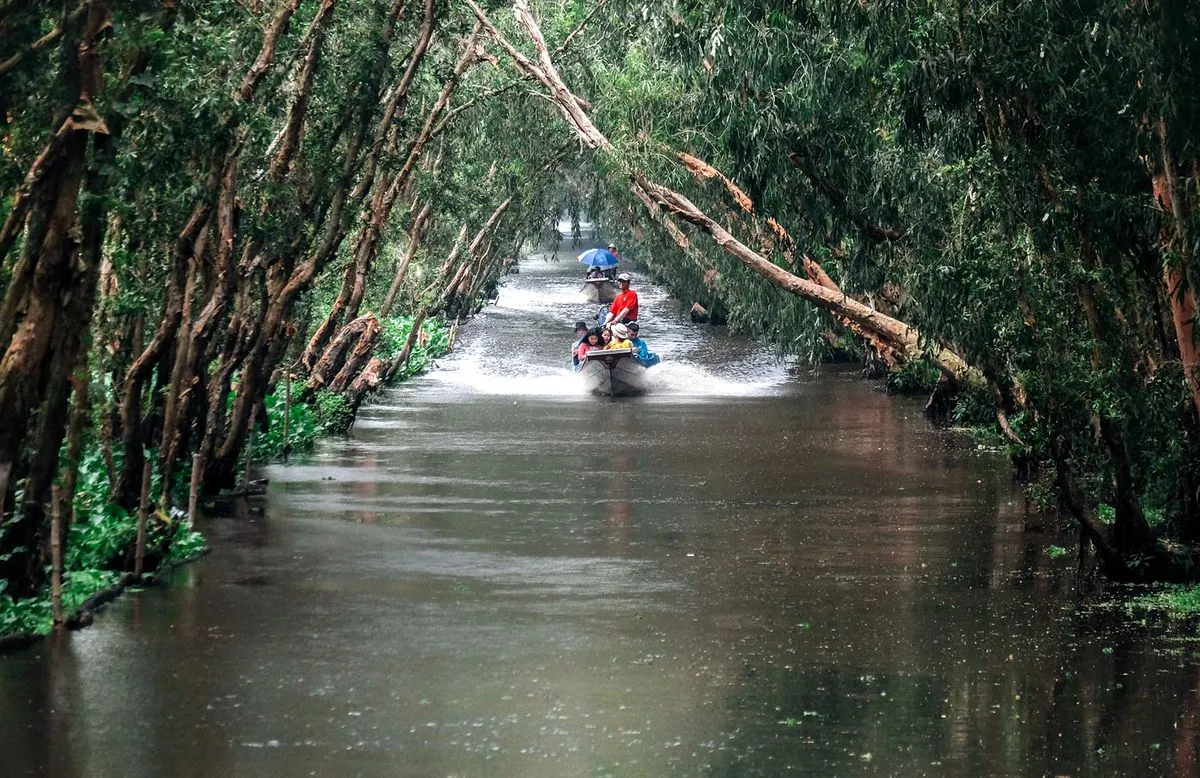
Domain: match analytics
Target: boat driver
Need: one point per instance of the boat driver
(624, 306)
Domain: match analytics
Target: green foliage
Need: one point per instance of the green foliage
(1179, 600)
(185, 544)
(303, 426)
(100, 539)
(1055, 552)
(1015, 153)
(917, 376)
(332, 412)
(35, 615)
(436, 345)
(30, 616)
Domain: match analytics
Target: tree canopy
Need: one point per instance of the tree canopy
(204, 201)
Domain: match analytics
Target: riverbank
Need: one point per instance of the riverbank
(99, 548)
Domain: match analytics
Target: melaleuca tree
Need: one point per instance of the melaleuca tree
(1018, 183)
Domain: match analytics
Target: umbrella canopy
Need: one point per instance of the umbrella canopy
(601, 258)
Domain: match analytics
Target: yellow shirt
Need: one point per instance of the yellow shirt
(619, 344)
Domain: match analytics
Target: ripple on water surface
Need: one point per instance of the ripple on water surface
(743, 573)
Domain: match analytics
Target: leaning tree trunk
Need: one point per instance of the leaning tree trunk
(286, 283)
(376, 217)
(906, 339)
(1177, 246)
(351, 347)
(128, 488)
(47, 308)
(193, 340)
(410, 250)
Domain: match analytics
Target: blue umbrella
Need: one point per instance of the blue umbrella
(601, 258)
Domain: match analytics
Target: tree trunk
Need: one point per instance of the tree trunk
(367, 381)
(357, 357)
(44, 319)
(904, 338)
(395, 104)
(410, 250)
(344, 350)
(129, 482)
(376, 217)
(283, 287)
(1177, 246)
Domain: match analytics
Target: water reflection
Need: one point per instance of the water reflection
(789, 575)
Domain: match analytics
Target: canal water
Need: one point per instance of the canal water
(754, 570)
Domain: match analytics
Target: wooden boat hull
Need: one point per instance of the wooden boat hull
(600, 290)
(613, 373)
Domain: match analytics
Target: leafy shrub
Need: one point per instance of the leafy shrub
(436, 345)
(185, 544)
(332, 412)
(303, 427)
(916, 376)
(24, 617)
(99, 538)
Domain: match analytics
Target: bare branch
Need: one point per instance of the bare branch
(578, 28)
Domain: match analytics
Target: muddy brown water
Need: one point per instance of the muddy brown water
(752, 571)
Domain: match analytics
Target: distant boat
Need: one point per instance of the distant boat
(600, 290)
(613, 372)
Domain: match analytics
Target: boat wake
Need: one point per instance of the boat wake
(663, 381)
(686, 379)
(519, 346)
(476, 378)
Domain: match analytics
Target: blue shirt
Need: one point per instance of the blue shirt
(643, 354)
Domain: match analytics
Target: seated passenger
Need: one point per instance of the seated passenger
(580, 333)
(620, 337)
(641, 351)
(591, 341)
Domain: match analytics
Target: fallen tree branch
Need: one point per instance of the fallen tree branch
(877, 342)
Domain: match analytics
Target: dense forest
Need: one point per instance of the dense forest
(232, 219)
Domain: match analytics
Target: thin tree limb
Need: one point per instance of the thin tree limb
(44, 41)
(578, 28)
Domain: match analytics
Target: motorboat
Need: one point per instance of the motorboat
(600, 290)
(613, 372)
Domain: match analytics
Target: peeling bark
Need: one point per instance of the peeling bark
(342, 351)
(1177, 246)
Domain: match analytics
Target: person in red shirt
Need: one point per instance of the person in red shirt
(624, 306)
